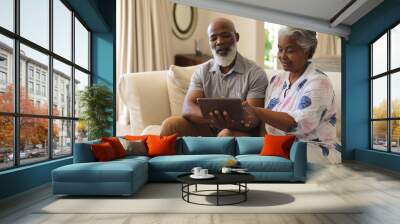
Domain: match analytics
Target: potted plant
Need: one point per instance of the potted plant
(96, 104)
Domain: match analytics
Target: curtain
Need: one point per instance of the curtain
(143, 40)
(328, 46)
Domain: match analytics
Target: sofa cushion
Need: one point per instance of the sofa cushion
(135, 147)
(277, 145)
(185, 163)
(161, 145)
(208, 145)
(116, 145)
(249, 145)
(178, 81)
(257, 163)
(112, 171)
(137, 92)
(103, 152)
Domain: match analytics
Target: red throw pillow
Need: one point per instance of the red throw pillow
(277, 145)
(116, 145)
(103, 151)
(136, 137)
(161, 145)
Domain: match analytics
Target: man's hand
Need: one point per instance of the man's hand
(250, 119)
(221, 120)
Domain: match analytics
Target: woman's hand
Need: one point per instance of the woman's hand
(250, 119)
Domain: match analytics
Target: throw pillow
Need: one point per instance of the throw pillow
(161, 145)
(116, 145)
(136, 137)
(277, 145)
(136, 147)
(178, 81)
(103, 151)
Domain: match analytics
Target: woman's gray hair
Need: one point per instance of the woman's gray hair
(306, 39)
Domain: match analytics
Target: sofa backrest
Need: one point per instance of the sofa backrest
(196, 146)
(249, 145)
(145, 95)
(206, 145)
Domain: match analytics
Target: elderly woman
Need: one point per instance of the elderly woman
(300, 101)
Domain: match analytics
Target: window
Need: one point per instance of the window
(38, 89)
(3, 61)
(30, 72)
(81, 45)
(34, 22)
(38, 74)
(7, 75)
(7, 14)
(30, 87)
(385, 96)
(3, 78)
(43, 90)
(41, 84)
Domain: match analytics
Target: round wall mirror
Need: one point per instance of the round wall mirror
(185, 20)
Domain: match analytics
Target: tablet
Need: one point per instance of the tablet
(231, 105)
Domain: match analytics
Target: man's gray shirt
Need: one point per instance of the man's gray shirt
(245, 80)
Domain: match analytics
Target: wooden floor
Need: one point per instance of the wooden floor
(377, 188)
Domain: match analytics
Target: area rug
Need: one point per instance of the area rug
(166, 198)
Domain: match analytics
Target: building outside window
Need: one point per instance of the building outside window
(3, 72)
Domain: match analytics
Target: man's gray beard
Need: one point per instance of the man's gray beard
(225, 60)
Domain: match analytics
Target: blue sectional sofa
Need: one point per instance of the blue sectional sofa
(125, 176)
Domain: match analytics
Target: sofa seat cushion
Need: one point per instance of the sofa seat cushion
(185, 163)
(112, 171)
(257, 163)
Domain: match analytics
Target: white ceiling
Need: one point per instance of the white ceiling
(317, 15)
(321, 9)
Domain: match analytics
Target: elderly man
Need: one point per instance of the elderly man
(227, 75)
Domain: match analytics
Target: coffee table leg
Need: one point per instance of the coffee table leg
(217, 194)
(196, 188)
(245, 191)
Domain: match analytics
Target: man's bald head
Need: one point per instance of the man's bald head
(222, 38)
(221, 23)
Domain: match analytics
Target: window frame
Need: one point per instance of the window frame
(388, 74)
(16, 114)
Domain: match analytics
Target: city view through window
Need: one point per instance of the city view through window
(39, 114)
(385, 82)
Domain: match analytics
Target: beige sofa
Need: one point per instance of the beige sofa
(151, 97)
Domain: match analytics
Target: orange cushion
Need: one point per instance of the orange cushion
(116, 145)
(161, 145)
(277, 145)
(136, 137)
(103, 151)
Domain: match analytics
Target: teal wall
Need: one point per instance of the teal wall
(102, 64)
(355, 85)
(99, 16)
(24, 178)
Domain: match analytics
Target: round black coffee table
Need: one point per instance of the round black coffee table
(238, 179)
